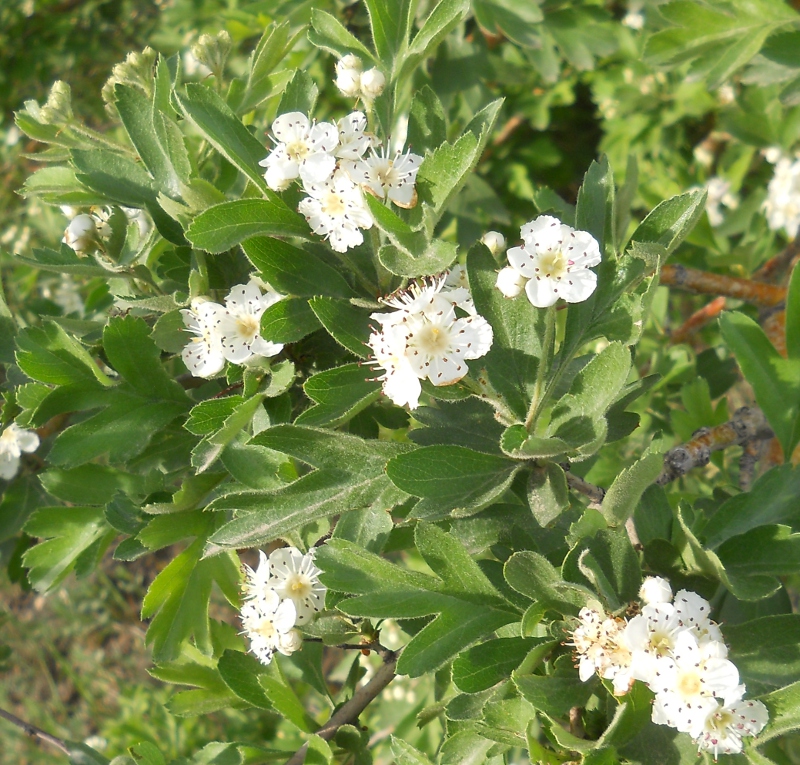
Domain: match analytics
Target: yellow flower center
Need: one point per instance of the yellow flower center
(553, 264)
(297, 150)
(267, 629)
(431, 339)
(333, 204)
(247, 325)
(298, 586)
(689, 684)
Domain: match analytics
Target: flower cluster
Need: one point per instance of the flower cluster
(229, 332)
(552, 263)
(677, 650)
(719, 196)
(354, 82)
(782, 205)
(426, 337)
(282, 592)
(331, 162)
(13, 442)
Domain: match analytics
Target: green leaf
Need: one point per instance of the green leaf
(624, 493)
(427, 125)
(209, 416)
(300, 94)
(467, 423)
(765, 651)
(369, 528)
(405, 754)
(340, 393)
(133, 354)
(155, 146)
(177, 600)
(65, 261)
(671, 221)
(607, 562)
(390, 21)
(328, 33)
(451, 478)
(68, 533)
(533, 576)
(241, 673)
(775, 380)
(548, 494)
(90, 484)
(554, 694)
(443, 18)
(284, 700)
(518, 331)
(224, 131)
(489, 663)
(594, 211)
(784, 712)
(793, 316)
(223, 226)
(350, 475)
(772, 499)
(48, 354)
(288, 321)
(294, 271)
(345, 323)
(765, 552)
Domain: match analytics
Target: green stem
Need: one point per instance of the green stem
(540, 387)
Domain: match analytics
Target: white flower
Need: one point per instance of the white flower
(650, 635)
(425, 337)
(654, 589)
(687, 683)
(495, 241)
(81, 234)
(353, 138)
(719, 194)
(456, 289)
(203, 354)
(555, 258)
(13, 442)
(140, 218)
(256, 580)
(239, 323)
(348, 76)
(268, 623)
(694, 613)
(303, 150)
(295, 577)
(510, 282)
(385, 173)
(373, 82)
(600, 648)
(335, 209)
(782, 205)
(727, 723)
(400, 382)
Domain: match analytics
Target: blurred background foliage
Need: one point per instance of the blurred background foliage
(579, 79)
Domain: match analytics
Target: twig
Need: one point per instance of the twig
(774, 325)
(747, 424)
(34, 732)
(350, 710)
(706, 283)
(595, 493)
(698, 320)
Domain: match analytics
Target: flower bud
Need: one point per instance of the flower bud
(348, 76)
(495, 241)
(655, 590)
(58, 109)
(510, 282)
(212, 51)
(372, 83)
(80, 235)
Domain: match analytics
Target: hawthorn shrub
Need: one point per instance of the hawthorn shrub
(389, 303)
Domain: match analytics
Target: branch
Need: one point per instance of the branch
(34, 732)
(595, 493)
(706, 283)
(747, 424)
(350, 710)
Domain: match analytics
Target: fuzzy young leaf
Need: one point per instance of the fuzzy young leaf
(671, 221)
(328, 33)
(347, 324)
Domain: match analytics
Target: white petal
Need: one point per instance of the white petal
(317, 168)
(542, 292)
(523, 260)
(577, 286)
(290, 126)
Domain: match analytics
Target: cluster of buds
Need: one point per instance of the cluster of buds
(675, 648)
(87, 231)
(136, 70)
(354, 82)
(284, 591)
(211, 51)
(57, 110)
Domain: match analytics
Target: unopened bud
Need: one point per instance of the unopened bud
(510, 282)
(348, 76)
(58, 109)
(80, 235)
(212, 51)
(372, 83)
(136, 70)
(495, 241)
(655, 590)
